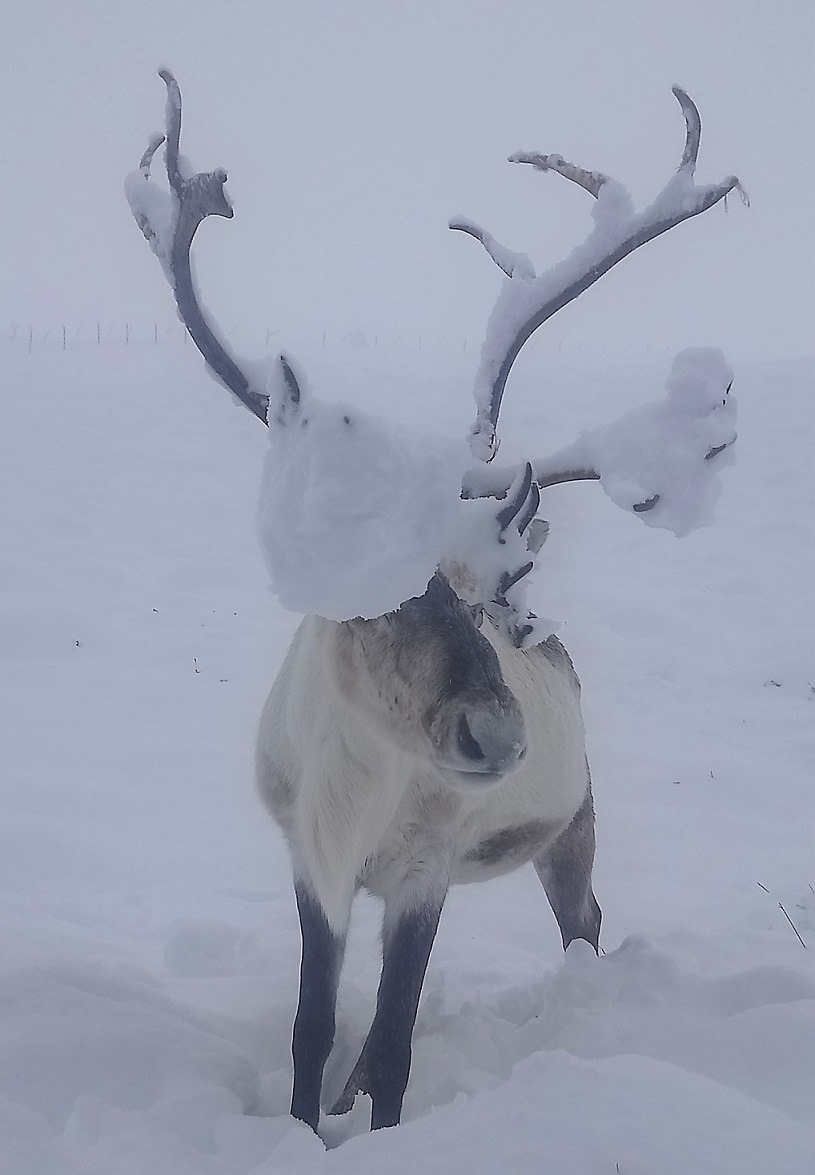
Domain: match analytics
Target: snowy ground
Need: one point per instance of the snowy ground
(150, 947)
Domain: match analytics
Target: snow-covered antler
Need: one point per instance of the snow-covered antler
(169, 222)
(528, 301)
(654, 460)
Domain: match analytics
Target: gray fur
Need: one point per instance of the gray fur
(403, 755)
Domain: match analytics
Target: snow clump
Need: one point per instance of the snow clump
(662, 460)
(354, 515)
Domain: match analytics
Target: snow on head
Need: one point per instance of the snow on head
(355, 516)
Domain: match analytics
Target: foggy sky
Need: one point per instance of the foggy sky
(352, 131)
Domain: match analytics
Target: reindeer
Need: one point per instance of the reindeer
(441, 743)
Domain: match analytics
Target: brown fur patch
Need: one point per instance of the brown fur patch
(518, 843)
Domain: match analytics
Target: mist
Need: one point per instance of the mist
(352, 132)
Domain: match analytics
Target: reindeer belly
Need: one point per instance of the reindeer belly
(511, 831)
(503, 850)
(442, 835)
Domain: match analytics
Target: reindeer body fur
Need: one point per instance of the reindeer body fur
(360, 811)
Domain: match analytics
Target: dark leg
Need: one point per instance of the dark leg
(384, 1064)
(565, 872)
(314, 1023)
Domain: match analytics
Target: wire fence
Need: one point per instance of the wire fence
(100, 333)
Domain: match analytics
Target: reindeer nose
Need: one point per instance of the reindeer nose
(490, 744)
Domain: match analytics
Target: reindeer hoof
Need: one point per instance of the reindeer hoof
(356, 1083)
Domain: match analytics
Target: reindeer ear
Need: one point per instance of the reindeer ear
(285, 394)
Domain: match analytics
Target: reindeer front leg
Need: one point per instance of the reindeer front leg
(384, 1064)
(314, 1023)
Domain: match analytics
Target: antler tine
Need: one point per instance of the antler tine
(592, 181)
(532, 504)
(561, 476)
(587, 264)
(147, 158)
(519, 493)
(196, 198)
(483, 238)
(512, 264)
(693, 124)
(173, 125)
(290, 380)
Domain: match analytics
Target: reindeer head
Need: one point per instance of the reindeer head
(430, 681)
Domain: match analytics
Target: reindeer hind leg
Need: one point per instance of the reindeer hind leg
(564, 869)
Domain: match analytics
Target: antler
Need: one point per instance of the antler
(693, 433)
(169, 222)
(528, 301)
(696, 411)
